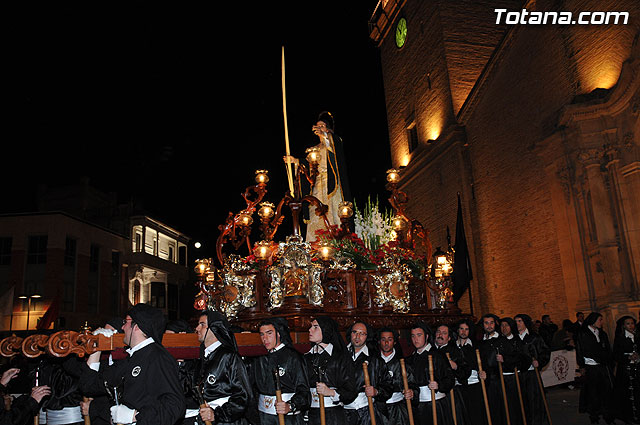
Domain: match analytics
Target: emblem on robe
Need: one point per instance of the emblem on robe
(136, 371)
(268, 402)
(211, 379)
(391, 373)
(281, 371)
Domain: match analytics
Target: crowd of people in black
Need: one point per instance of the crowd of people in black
(464, 374)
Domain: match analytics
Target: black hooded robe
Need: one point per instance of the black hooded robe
(461, 374)
(536, 348)
(222, 376)
(379, 378)
(290, 366)
(395, 408)
(149, 381)
(597, 390)
(471, 389)
(334, 369)
(489, 348)
(443, 375)
(627, 382)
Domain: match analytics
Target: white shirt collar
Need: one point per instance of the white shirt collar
(363, 350)
(440, 346)
(510, 336)
(467, 341)
(490, 336)
(629, 335)
(388, 359)
(317, 349)
(210, 349)
(277, 348)
(140, 346)
(594, 329)
(524, 333)
(425, 348)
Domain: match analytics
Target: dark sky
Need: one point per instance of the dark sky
(179, 104)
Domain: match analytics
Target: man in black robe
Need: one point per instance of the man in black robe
(219, 377)
(508, 328)
(593, 354)
(362, 349)
(330, 371)
(395, 408)
(151, 392)
(281, 359)
(495, 348)
(443, 378)
(627, 386)
(471, 388)
(539, 352)
(461, 370)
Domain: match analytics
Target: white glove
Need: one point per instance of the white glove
(105, 332)
(122, 414)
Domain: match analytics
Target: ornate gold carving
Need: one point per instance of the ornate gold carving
(295, 274)
(392, 287)
(236, 288)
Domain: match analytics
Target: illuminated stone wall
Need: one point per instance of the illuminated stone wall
(493, 99)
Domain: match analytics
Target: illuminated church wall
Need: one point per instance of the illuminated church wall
(499, 103)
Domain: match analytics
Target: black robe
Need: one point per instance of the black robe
(489, 349)
(396, 412)
(627, 382)
(150, 385)
(461, 374)
(443, 375)
(62, 376)
(336, 371)
(222, 374)
(378, 378)
(515, 397)
(472, 392)
(293, 380)
(535, 348)
(597, 390)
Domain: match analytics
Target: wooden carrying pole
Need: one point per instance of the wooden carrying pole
(504, 394)
(405, 383)
(453, 399)
(279, 399)
(434, 412)
(544, 397)
(524, 416)
(278, 394)
(323, 419)
(484, 389)
(87, 419)
(367, 382)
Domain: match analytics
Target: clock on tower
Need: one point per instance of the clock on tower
(401, 32)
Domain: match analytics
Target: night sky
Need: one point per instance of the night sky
(177, 105)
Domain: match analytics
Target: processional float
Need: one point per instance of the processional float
(394, 284)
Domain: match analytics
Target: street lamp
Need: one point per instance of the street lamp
(28, 298)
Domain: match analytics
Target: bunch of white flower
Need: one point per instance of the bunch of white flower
(372, 226)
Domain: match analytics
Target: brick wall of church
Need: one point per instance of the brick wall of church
(508, 213)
